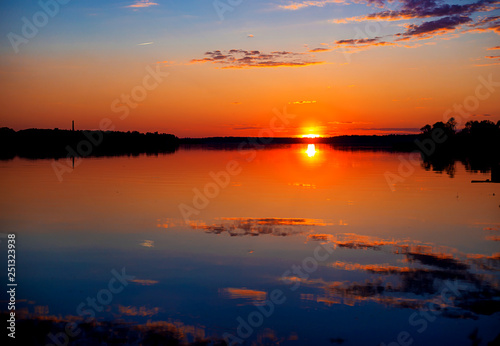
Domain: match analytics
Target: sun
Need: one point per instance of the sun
(311, 136)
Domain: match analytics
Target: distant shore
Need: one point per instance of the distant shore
(440, 145)
(57, 143)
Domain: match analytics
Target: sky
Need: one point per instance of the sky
(198, 68)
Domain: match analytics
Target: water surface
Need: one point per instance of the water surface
(352, 258)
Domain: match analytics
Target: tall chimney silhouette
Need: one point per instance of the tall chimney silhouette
(72, 125)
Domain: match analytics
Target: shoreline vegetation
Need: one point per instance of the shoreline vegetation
(477, 145)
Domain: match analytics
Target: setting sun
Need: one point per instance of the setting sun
(311, 136)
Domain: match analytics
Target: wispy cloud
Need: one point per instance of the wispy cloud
(486, 24)
(390, 129)
(489, 62)
(297, 5)
(248, 128)
(248, 296)
(148, 243)
(349, 122)
(239, 58)
(144, 282)
(483, 65)
(320, 50)
(137, 311)
(145, 43)
(353, 45)
(301, 102)
(142, 4)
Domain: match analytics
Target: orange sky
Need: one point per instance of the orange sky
(77, 66)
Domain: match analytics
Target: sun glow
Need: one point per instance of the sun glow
(311, 136)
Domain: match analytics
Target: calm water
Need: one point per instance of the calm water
(305, 245)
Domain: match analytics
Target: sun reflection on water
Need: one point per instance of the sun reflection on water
(311, 150)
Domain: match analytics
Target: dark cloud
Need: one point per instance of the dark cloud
(358, 41)
(239, 227)
(352, 45)
(449, 18)
(411, 9)
(239, 58)
(427, 270)
(430, 28)
(319, 50)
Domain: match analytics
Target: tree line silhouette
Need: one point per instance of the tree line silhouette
(56, 143)
(476, 145)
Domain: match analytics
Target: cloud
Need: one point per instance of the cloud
(137, 311)
(250, 36)
(486, 24)
(239, 58)
(166, 62)
(483, 65)
(435, 27)
(243, 293)
(353, 45)
(357, 41)
(412, 9)
(349, 122)
(494, 48)
(320, 50)
(148, 243)
(145, 282)
(449, 18)
(428, 268)
(142, 4)
(278, 227)
(145, 43)
(390, 129)
(248, 128)
(297, 5)
(301, 102)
